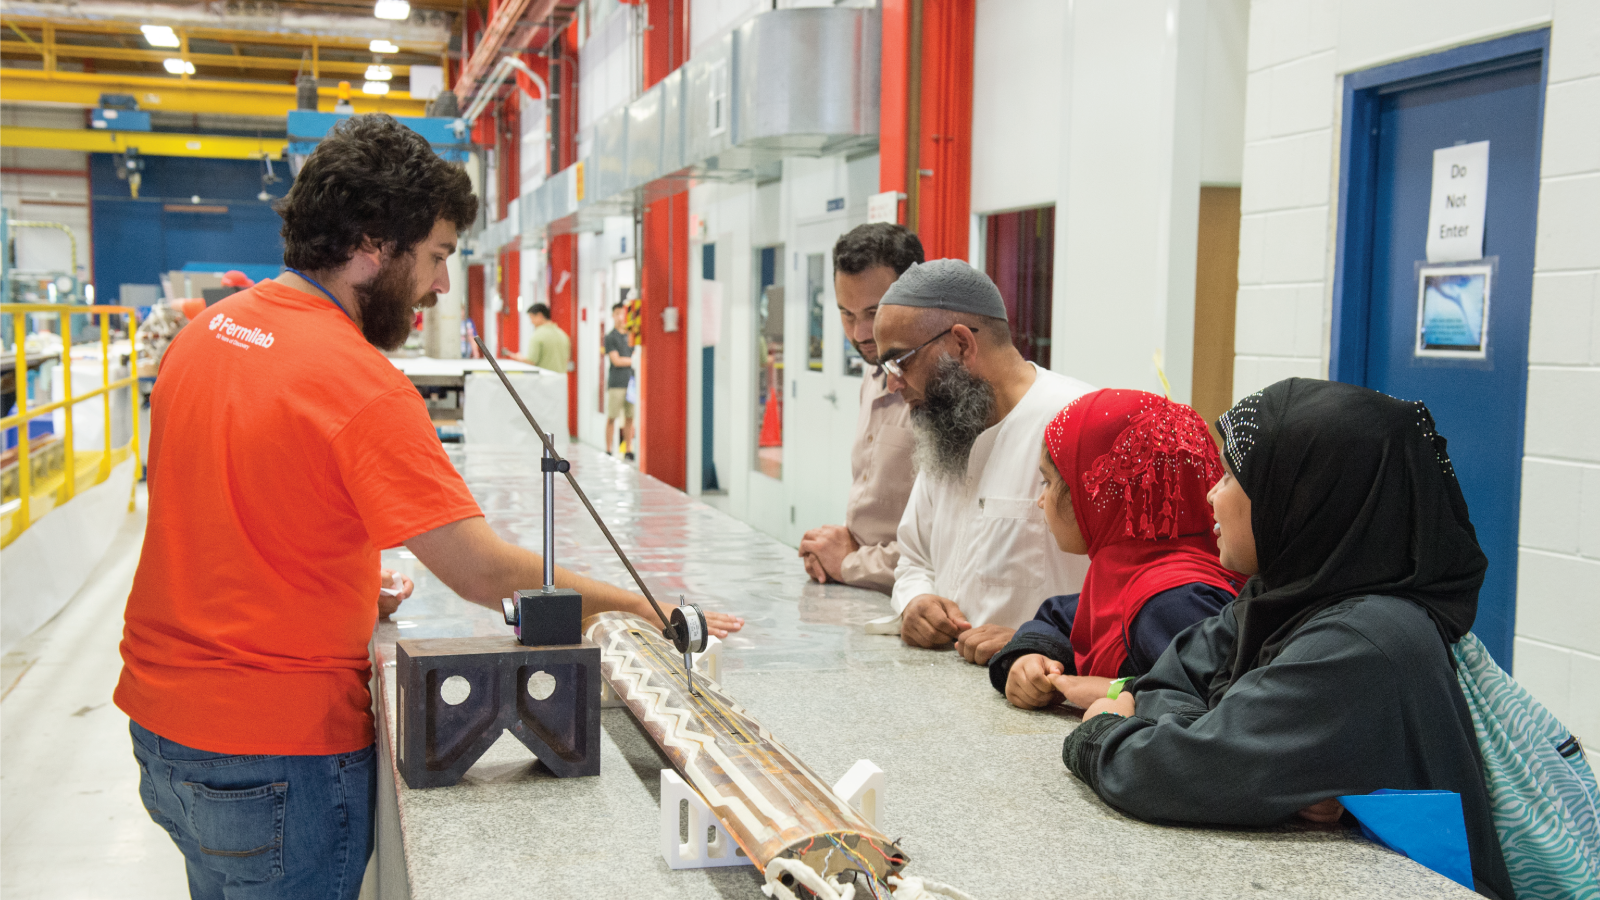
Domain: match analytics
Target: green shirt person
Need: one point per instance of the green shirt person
(548, 346)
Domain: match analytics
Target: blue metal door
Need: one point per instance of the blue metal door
(1478, 403)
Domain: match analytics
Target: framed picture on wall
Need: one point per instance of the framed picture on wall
(1453, 310)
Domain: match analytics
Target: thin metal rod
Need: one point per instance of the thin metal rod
(550, 448)
(549, 525)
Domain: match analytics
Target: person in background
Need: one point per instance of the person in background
(862, 551)
(1332, 672)
(974, 548)
(548, 346)
(233, 278)
(619, 353)
(1126, 475)
(286, 451)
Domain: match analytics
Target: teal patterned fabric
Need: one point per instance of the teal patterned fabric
(1546, 802)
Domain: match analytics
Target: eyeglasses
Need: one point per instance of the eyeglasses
(896, 366)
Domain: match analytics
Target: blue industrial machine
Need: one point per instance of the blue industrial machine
(119, 120)
(307, 128)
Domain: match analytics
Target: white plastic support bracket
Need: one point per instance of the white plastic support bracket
(684, 811)
(709, 844)
(708, 662)
(862, 787)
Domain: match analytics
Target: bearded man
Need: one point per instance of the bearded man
(976, 556)
(285, 452)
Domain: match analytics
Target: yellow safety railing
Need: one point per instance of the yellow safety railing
(34, 500)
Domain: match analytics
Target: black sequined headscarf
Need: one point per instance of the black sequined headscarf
(1351, 493)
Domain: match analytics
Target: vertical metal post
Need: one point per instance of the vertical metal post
(135, 400)
(549, 520)
(24, 464)
(105, 396)
(70, 460)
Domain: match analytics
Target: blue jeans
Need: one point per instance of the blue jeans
(262, 827)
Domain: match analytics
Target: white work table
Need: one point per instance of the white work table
(976, 795)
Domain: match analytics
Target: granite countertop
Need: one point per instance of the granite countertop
(976, 792)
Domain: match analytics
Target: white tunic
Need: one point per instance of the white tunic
(982, 542)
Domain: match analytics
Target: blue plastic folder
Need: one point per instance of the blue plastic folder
(1426, 826)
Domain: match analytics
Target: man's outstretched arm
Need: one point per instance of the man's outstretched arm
(476, 563)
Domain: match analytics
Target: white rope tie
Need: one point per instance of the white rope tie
(803, 874)
(910, 887)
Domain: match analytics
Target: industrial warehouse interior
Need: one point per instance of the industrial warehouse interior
(801, 449)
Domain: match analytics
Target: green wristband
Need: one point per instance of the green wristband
(1116, 688)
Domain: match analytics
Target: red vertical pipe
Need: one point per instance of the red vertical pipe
(475, 299)
(510, 330)
(945, 144)
(569, 99)
(894, 100)
(508, 175)
(471, 28)
(562, 249)
(664, 379)
(563, 274)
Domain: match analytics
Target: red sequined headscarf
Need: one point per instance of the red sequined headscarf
(1138, 467)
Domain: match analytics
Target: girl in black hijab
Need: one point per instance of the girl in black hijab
(1331, 674)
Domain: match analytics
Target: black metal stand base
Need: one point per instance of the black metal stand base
(549, 697)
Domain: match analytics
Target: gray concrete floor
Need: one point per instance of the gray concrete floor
(71, 823)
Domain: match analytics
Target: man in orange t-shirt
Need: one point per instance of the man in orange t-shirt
(285, 453)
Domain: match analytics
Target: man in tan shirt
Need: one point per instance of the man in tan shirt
(862, 551)
(548, 346)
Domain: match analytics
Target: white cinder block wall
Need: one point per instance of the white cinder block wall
(1298, 49)
(1558, 567)
(1285, 227)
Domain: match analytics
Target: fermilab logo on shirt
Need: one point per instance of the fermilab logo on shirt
(239, 335)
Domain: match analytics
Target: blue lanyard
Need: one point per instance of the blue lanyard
(323, 290)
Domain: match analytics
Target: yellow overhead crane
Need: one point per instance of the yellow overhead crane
(148, 143)
(169, 94)
(48, 84)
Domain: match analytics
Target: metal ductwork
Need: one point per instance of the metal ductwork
(796, 82)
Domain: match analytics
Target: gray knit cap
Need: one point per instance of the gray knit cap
(947, 284)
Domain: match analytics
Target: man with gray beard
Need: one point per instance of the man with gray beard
(975, 554)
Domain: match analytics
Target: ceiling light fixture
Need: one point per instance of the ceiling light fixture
(379, 73)
(382, 46)
(375, 88)
(178, 66)
(397, 10)
(159, 35)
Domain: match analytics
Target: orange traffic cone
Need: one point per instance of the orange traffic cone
(772, 421)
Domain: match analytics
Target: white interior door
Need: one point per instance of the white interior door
(822, 399)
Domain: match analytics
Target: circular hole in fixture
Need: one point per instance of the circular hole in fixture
(541, 685)
(455, 690)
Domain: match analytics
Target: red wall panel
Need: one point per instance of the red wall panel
(664, 377)
(894, 99)
(563, 274)
(945, 142)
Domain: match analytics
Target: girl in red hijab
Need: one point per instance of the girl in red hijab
(1126, 475)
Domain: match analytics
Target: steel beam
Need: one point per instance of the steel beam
(222, 35)
(11, 49)
(148, 143)
(507, 18)
(168, 94)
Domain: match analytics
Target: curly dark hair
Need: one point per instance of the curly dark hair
(371, 177)
(876, 244)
